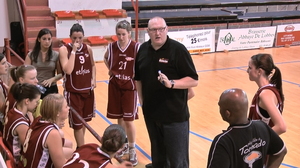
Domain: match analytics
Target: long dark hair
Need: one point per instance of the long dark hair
(265, 62)
(76, 28)
(24, 91)
(1, 56)
(37, 47)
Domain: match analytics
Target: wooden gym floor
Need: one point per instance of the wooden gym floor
(217, 72)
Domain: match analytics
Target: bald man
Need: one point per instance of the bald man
(245, 143)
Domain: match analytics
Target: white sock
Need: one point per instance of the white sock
(131, 144)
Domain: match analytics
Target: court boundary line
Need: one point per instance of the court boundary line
(138, 147)
(243, 69)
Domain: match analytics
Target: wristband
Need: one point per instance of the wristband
(172, 84)
(73, 52)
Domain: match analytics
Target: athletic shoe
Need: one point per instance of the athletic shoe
(133, 157)
(126, 149)
(148, 165)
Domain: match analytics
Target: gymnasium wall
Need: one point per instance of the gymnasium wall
(76, 5)
(9, 11)
(7, 6)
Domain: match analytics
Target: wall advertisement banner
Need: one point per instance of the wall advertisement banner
(246, 38)
(196, 41)
(288, 34)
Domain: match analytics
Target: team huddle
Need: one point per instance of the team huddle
(160, 75)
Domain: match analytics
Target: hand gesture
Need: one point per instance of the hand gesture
(76, 46)
(164, 79)
(48, 82)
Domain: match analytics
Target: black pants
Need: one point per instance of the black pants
(51, 89)
(169, 144)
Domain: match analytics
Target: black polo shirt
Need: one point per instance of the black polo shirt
(244, 146)
(161, 103)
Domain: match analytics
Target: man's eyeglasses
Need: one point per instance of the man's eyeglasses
(157, 29)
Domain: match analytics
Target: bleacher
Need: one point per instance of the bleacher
(186, 18)
(270, 15)
(200, 4)
(191, 12)
(217, 14)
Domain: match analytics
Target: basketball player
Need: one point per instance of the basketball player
(43, 146)
(267, 104)
(79, 69)
(17, 122)
(93, 155)
(246, 143)
(21, 74)
(122, 97)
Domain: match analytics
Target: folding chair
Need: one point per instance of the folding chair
(6, 155)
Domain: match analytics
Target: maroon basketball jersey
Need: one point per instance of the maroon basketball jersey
(34, 153)
(255, 113)
(88, 155)
(79, 80)
(9, 103)
(13, 119)
(121, 63)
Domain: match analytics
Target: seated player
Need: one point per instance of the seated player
(93, 155)
(17, 122)
(43, 146)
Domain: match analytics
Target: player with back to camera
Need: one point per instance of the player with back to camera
(93, 155)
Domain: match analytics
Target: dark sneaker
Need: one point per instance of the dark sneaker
(149, 165)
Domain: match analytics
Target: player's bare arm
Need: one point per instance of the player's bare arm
(93, 67)
(67, 64)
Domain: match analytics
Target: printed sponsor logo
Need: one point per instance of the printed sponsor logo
(129, 58)
(163, 60)
(227, 39)
(83, 71)
(289, 28)
(252, 157)
(123, 77)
